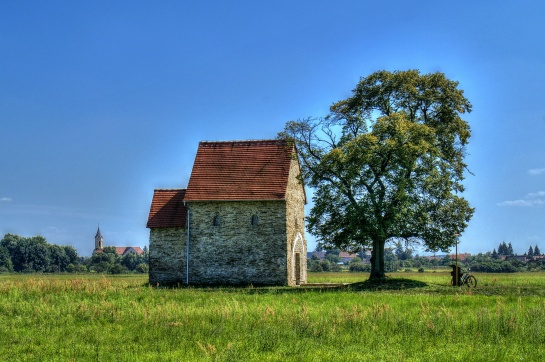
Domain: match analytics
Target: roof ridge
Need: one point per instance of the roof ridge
(243, 141)
(162, 189)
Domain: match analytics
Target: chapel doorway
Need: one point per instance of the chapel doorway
(297, 268)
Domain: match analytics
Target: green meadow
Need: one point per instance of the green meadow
(411, 317)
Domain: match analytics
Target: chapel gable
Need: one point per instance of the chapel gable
(240, 220)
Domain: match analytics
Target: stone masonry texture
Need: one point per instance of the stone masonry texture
(167, 256)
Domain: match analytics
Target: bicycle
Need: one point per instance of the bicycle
(459, 278)
(468, 280)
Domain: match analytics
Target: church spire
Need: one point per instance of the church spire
(99, 239)
(99, 234)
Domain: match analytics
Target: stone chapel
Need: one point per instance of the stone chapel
(240, 221)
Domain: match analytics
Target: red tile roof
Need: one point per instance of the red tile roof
(240, 170)
(461, 256)
(344, 254)
(167, 209)
(122, 250)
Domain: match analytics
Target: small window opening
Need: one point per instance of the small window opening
(255, 220)
(216, 221)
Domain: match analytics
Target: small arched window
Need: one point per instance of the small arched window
(216, 221)
(255, 220)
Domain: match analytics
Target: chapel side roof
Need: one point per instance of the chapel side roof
(167, 209)
(240, 171)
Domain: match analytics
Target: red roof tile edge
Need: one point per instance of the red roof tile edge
(167, 209)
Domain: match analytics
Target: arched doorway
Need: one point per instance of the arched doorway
(297, 267)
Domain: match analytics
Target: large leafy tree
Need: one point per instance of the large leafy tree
(5, 260)
(27, 254)
(387, 163)
(34, 254)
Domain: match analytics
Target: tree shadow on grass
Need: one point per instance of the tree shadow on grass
(386, 284)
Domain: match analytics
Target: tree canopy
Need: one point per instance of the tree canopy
(387, 163)
(505, 249)
(34, 254)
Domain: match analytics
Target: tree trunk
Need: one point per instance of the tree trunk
(377, 260)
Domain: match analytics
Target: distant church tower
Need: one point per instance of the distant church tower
(99, 240)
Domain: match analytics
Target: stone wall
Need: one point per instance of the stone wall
(295, 228)
(236, 242)
(236, 251)
(167, 255)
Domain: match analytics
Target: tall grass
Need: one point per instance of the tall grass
(97, 318)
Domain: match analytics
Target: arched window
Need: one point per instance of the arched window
(255, 220)
(216, 221)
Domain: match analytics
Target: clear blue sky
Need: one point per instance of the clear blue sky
(103, 101)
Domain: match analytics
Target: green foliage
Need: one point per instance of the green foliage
(316, 266)
(59, 261)
(535, 265)
(109, 262)
(333, 252)
(495, 266)
(402, 252)
(107, 259)
(118, 269)
(71, 253)
(333, 258)
(489, 262)
(80, 268)
(142, 268)
(6, 266)
(495, 254)
(358, 267)
(109, 250)
(131, 261)
(387, 163)
(325, 265)
(34, 254)
(505, 249)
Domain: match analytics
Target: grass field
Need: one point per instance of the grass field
(413, 317)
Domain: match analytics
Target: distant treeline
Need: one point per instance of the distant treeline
(35, 255)
(400, 258)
